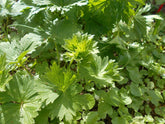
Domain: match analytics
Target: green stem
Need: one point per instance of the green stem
(5, 29)
(27, 70)
(35, 29)
(78, 68)
(157, 24)
(70, 63)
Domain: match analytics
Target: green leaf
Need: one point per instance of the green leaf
(45, 52)
(148, 118)
(124, 58)
(111, 97)
(18, 7)
(42, 118)
(87, 101)
(125, 97)
(17, 114)
(30, 42)
(150, 18)
(150, 85)
(67, 7)
(63, 29)
(155, 97)
(42, 2)
(159, 120)
(35, 11)
(119, 42)
(135, 89)
(114, 99)
(147, 109)
(20, 102)
(80, 46)
(2, 121)
(134, 74)
(60, 77)
(136, 104)
(46, 93)
(63, 108)
(138, 1)
(140, 26)
(143, 10)
(138, 119)
(124, 113)
(2, 62)
(102, 71)
(97, 15)
(119, 120)
(92, 118)
(5, 77)
(100, 4)
(104, 109)
(13, 50)
(41, 67)
(69, 103)
(5, 6)
(66, 2)
(163, 94)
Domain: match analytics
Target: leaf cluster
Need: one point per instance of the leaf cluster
(81, 62)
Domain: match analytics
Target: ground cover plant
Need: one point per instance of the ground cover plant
(81, 62)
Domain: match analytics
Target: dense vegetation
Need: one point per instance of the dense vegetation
(81, 62)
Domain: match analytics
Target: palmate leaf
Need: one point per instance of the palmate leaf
(70, 102)
(4, 79)
(98, 19)
(102, 71)
(4, 73)
(5, 6)
(92, 118)
(119, 42)
(18, 7)
(43, 117)
(140, 26)
(107, 100)
(79, 47)
(59, 3)
(111, 98)
(60, 77)
(47, 93)
(13, 50)
(104, 109)
(63, 29)
(141, 22)
(63, 108)
(19, 103)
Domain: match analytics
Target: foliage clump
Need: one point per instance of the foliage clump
(81, 61)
